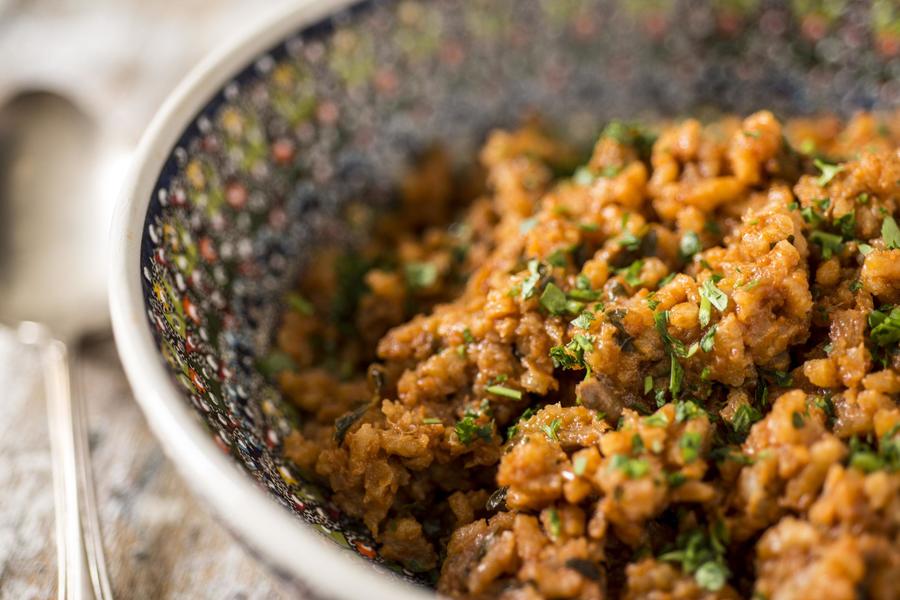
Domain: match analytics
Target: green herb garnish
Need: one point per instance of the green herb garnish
(744, 418)
(890, 233)
(828, 172)
(831, 243)
(709, 339)
(584, 320)
(420, 275)
(632, 467)
(690, 443)
(554, 300)
(632, 273)
(710, 295)
(529, 286)
(552, 429)
(689, 245)
(657, 420)
(502, 390)
(468, 428)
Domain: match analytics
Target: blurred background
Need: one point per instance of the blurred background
(79, 81)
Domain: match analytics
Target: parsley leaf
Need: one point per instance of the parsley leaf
(512, 430)
(552, 429)
(468, 428)
(689, 245)
(502, 390)
(709, 339)
(584, 320)
(828, 172)
(831, 243)
(884, 327)
(675, 376)
(632, 467)
(716, 297)
(744, 418)
(690, 444)
(632, 273)
(703, 556)
(420, 275)
(300, 304)
(554, 300)
(530, 284)
(890, 233)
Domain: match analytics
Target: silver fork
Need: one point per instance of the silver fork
(79, 541)
(51, 269)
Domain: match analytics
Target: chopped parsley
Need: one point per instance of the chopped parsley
(648, 383)
(467, 336)
(703, 556)
(709, 339)
(529, 286)
(810, 215)
(855, 285)
(686, 410)
(637, 444)
(431, 421)
(828, 172)
(571, 356)
(831, 243)
(554, 523)
(579, 465)
(690, 444)
(527, 225)
(676, 479)
(884, 326)
(658, 419)
(468, 428)
(420, 275)
(502, 390)
(675, 377)
(866, 458)
(512, 430)
(584, 320)
(865, 249)
(554, 300)
(710, 296)
(630, 134)
(300, 304)
(583, 289)
(689, 245)
(583, 176)
(797, 420)
(846, 223)
(632, 273)
(673, 345)
(744, 418)
(632, 467)
(890, 233)
(558, 258)
(552, 430)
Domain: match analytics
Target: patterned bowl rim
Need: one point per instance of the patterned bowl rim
(280, 538)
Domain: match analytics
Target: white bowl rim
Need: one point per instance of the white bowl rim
(282, 539)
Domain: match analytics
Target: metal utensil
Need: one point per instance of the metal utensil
(53, 221)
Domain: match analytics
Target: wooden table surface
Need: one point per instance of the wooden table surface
(159, 541)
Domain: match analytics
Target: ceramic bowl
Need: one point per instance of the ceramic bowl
(255, 158)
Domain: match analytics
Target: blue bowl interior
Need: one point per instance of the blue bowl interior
(333, 115)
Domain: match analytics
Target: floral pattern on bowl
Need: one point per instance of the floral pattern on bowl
(331, 116)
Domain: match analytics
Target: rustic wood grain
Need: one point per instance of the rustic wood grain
(160, 542)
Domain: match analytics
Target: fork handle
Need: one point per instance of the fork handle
(81, 565)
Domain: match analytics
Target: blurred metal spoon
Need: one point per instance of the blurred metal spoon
(53, 222)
